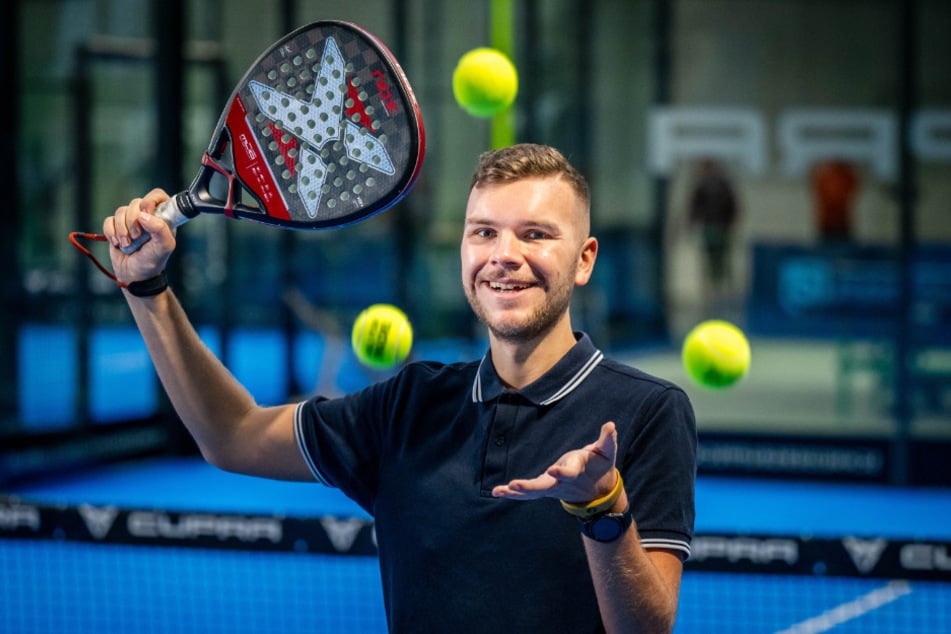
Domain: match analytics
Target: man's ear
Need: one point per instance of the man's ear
(586, 259)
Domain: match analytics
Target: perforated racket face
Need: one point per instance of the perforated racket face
(323, 131)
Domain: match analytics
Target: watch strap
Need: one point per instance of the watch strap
(621, 522)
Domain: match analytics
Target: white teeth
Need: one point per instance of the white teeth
(496, 286)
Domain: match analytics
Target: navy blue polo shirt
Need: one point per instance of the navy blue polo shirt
(422, 451)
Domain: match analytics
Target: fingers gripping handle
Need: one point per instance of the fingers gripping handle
(171, 211)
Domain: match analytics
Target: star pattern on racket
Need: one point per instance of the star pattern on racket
(321, 122)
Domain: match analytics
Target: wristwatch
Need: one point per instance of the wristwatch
(607, 527)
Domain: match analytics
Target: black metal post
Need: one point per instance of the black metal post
(82, 111)
(11, 291)
(169, 34)
(907, 38)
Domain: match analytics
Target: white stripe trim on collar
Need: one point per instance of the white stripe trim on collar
(477, 384)
(569, 387)
(577, 379)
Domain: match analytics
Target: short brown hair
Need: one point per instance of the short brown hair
(528, 160)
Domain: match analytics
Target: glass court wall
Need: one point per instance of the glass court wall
(829, 123)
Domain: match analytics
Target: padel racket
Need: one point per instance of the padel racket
(322, 131)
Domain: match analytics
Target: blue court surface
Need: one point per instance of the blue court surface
(56, 583)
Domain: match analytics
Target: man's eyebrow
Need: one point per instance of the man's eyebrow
(527, 224)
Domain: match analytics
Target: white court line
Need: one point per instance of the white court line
(851, 610)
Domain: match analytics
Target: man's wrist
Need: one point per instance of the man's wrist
(600, 505)
(148, 288)
(607, 527)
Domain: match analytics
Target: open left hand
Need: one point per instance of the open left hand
(579, 476)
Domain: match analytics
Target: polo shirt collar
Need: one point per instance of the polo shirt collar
(558, 382)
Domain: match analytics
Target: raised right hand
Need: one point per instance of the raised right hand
(127, 224)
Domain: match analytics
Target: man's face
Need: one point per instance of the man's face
(525, 246)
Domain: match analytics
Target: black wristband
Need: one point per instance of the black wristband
(149, 287)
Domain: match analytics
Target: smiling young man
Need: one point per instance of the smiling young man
(525, 247)
(542, 488)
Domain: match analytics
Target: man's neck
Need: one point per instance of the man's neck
(520, 363)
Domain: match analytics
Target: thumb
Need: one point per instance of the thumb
(606, 444)
(150, 222)
(158, 228)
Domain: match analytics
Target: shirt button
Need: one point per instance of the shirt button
(499, 440)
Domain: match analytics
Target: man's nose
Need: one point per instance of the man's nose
(506, 248)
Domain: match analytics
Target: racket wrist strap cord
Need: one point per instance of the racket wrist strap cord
(142, 288)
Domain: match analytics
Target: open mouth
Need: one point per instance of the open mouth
(509, 287)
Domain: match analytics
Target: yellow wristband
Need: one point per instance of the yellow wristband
(598, 506)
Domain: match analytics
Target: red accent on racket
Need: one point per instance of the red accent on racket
(322, 131)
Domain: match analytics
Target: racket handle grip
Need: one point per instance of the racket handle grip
(171, 212)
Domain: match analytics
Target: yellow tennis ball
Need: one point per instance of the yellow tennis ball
(382, 336)
(484, 82)
(716, 354)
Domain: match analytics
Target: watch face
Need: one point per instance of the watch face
(606, 529)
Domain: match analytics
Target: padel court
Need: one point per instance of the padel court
(109, 525)
(175, 545)
(170, 544)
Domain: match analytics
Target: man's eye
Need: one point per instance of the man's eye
(536, 235)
